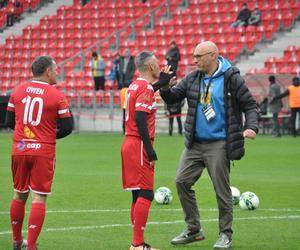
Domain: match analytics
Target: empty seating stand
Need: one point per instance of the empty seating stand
(75, 28)
(289, 63)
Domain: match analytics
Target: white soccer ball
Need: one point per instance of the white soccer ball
(249, 200)
(235, 192)
(163, 195)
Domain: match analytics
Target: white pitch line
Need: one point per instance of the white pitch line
(154, 210)
(95, 227)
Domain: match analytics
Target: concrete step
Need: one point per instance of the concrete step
(268, 49)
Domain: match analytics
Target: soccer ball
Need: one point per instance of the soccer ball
(249, 200)
(235, 195)
(163, 195)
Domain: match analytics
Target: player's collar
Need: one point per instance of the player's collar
(41, 82)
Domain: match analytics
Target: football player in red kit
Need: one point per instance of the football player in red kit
(138, 155)
(39, 114)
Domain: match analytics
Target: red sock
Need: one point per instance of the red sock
(17, 212)
(141, 211)
(35, 222)
(132, 213)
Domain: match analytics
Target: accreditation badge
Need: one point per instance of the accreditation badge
(209, 112)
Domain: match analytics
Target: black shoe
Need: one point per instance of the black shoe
(143, 246)
(18, 245)
(188, 236)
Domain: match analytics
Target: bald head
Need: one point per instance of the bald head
(207, 46)
(206, 57)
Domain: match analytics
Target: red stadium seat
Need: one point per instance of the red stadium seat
(76, 27)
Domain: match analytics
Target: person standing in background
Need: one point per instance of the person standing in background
(275, 105)
(174, 111)
(127, 69)
(116, 69)
(173, 57)
(98, 71)
(293, 93)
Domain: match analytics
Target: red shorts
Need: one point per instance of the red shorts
(32, 172)
(136, 170)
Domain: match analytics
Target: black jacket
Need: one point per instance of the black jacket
(173, 57)
(238, 99)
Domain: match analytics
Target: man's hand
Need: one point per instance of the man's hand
(166, 69)
(249, 133)
(164, 78)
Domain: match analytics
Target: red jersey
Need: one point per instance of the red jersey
(140, 97)
(37, 106)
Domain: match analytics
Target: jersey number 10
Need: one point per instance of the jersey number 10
(29, 107)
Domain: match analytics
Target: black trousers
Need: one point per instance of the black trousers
(294, 112)
(99, 82)
(171, 119)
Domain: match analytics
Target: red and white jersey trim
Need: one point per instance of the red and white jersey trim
(63, 111)
(36, 81)
(22, 192)
(142, 149)
(130, 189)
(143, 105)
(37, 192)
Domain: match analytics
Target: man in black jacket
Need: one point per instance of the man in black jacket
(214, 134)
(243, 17)
(173, 57)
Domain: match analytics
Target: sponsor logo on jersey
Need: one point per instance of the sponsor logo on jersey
(22, 145)
(33, 146)
(28, 133)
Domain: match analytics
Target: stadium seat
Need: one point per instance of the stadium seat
(78, 27)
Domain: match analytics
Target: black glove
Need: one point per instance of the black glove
(164, 79)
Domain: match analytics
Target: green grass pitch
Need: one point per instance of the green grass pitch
(89, 210)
